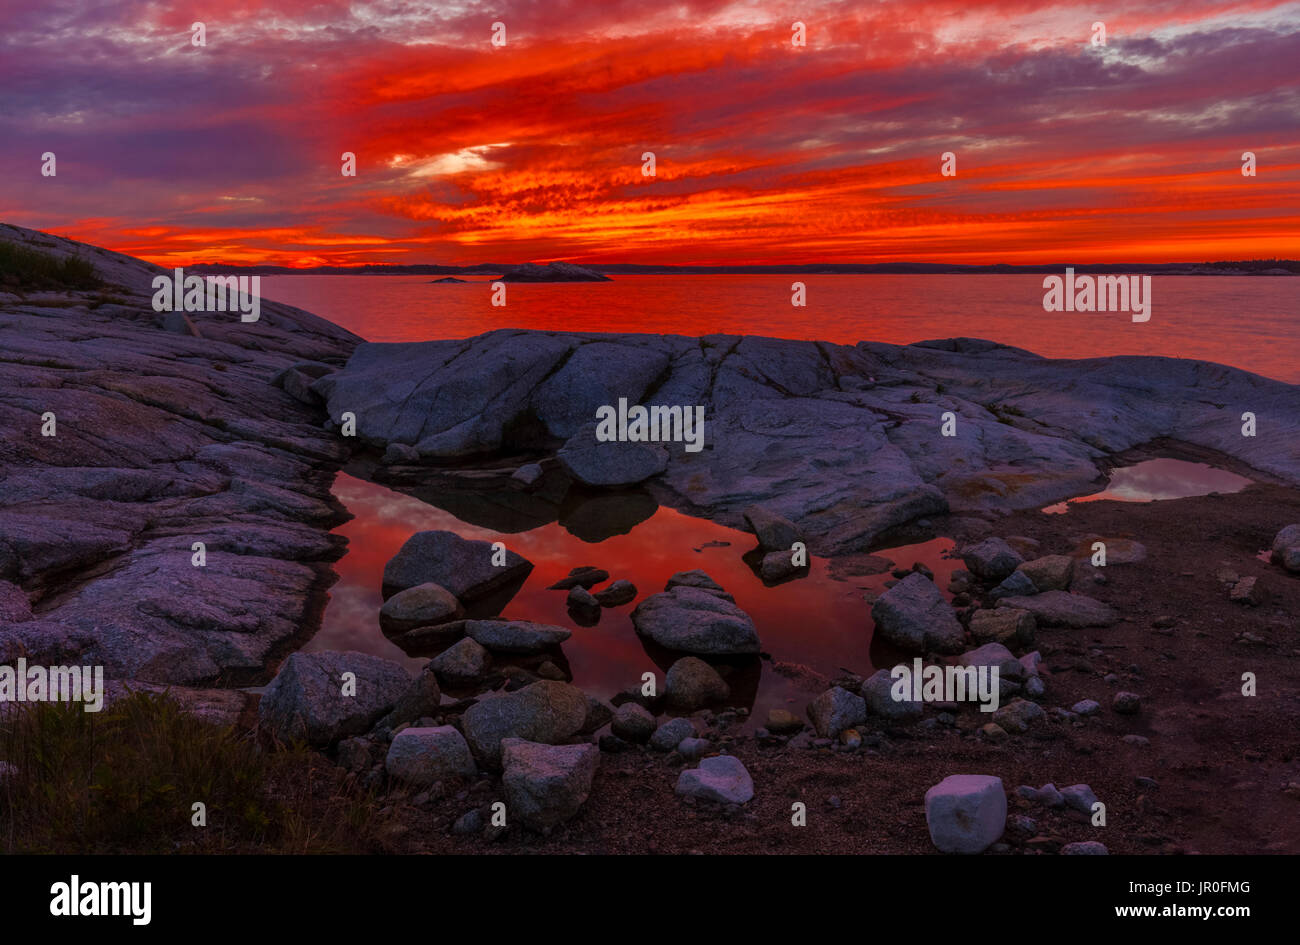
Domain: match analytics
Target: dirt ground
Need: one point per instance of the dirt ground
(1219, 762)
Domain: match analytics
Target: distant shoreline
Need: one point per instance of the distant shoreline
(1267, 267)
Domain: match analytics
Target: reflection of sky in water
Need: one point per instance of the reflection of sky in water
(817, 620)
(1156, 479)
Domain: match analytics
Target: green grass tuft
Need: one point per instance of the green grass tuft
(22, 267)
(124, 781)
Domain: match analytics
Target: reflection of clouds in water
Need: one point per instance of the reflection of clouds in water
(817, 620)
(1171, 479)
(1154, 480)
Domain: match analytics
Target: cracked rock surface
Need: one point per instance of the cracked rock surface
(843, 441)
(163, 438)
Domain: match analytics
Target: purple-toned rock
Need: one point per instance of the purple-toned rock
(966, 813)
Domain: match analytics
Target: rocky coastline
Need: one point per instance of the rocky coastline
(173, 431)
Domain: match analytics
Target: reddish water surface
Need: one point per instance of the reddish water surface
(817, 621)
(1154, 480)
(1250, 322)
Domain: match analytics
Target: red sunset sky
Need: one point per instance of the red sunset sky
(765, 152)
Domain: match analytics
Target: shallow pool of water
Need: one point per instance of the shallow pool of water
(1156, 479)
(820, 621)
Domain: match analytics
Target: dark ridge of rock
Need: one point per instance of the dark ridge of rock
(552, 272)
(842, 441)
(163, 439)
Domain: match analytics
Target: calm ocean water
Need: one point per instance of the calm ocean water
(1251, 322)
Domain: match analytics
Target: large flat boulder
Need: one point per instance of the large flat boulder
(460, 565)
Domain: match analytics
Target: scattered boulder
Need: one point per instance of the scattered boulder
(1050, 573)
(544, 784)
(692, 683)
(1063, 609)
(913, 616)
(515, 636)
(619, 593)
(774, 532)
(633, 723)
(468, 823)
(695, 620)
(1011, 672)
(991, 559)
(1286, 548)
(1018, 714)
(669, 735)
(1079, 797)
(1126, 703)
(1016, 584)
(877, 692)
(461, 566)
(587, 577)
(835, 710)
(1047, 795)
(698, 579)
(721, 778)
(306, 699)
(779, 565)
(420, 606)
(1086, 707)
(582, 600)
(783, 722)
(422, 756)
(966, 813)
(462, 663)
(1005, 625)
(545, 711)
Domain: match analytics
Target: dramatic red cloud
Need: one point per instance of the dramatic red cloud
(764, 151)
